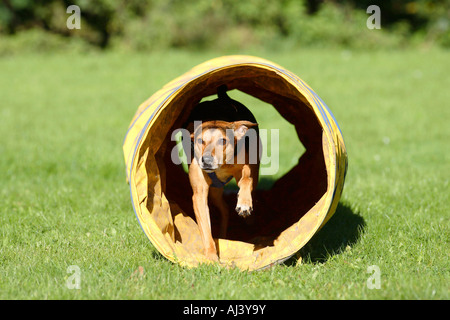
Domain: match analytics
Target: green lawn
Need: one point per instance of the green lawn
(64, 200)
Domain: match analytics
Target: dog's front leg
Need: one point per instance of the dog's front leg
(244, 180)
(200, 203)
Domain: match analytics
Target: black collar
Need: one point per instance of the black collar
(216, 183)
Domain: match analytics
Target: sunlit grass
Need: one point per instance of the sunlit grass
(64, 199)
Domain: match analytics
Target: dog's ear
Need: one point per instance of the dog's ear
(241, 127)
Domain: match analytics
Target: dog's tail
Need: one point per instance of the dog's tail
(222, 92)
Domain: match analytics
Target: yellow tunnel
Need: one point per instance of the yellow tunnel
(285, 216)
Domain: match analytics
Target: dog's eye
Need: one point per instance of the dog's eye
(200, 141)
(222, 142)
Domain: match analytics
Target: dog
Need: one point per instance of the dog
(221, 153)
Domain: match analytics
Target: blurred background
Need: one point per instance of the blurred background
(151, 25)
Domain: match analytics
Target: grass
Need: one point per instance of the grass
(64, 200)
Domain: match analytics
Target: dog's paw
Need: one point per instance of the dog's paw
(244, 210)
(211, 255)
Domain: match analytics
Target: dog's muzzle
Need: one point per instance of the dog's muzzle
(207, 163)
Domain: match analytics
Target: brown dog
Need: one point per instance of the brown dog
(220, 154)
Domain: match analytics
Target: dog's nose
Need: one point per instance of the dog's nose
(208, 159)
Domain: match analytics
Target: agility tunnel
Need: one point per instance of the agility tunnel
(285, 217)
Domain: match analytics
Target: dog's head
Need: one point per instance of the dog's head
(214, 142)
